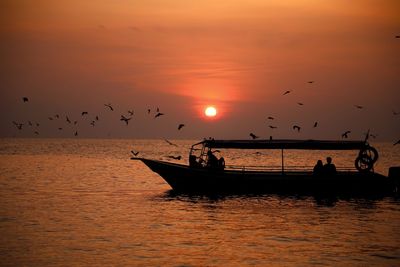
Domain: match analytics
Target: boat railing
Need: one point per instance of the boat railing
(278, 168)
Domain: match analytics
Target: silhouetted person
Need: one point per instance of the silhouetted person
(329, 167)
(212, 161)
(193, 162)
(318, 168)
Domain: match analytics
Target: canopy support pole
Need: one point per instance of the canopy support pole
(282, 162)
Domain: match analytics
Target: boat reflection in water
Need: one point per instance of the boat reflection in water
(207, 174)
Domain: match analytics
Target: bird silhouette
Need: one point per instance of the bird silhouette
(180, 126)
(93, 123)
(25, 99)
(109, 106)
(37, 124)
(51, 118)
(97, 118)
(67, 119)
(158, 115)
(175, 157)
(272, 127)
(170, 143)
(125, 119)
(30, 123)
(345, 134)
(271, 118)
(395, 113)
(287, 92)
(76, 133)
(135, 153)
(397, 143)
(148, 111)
(57, 116)
(130, 112)
(158, 110)
(315, 124)
(36, 132)
(75, 122)
(397, 36)
(253, 136)
(311, 81)
(18, 125)
(296, 127)
(60, 128)
(359, 107)
(84, 113)
(300, 104)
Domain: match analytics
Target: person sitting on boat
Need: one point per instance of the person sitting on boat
(212, 161)
(193, 162)
(221, 163)
(318, 168)
(329, 167)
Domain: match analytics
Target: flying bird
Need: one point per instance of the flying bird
(135, 153)
(30, 123)
(253, 136)
(395, 113)
(315, 124)
(296, 127)
(109, 106)
(180, 126)
(67, 119)
(158, 115)
(148, 111)
(311, 81)
(18, 125)
(272, 127)
(397, 36)
(271, 118)
(158, 110)
(300, 104)
(84, 113)
(130, 112)
(60, 128)
(287, 92)
(75, 122)
(51, 118)
(397, 143)
(36, 132)
(57, 116)
(359, 107)
(37, 124)
(97, 118)
(76, 133)
(92, 123)
(170, 143)
(125, 119)
(345, 134)
(25, 99)
(175, 157)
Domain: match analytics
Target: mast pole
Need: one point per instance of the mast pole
(282, 160)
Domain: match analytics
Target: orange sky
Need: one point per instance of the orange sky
(239, 55)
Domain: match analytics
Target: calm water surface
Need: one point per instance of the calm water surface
(84, 203)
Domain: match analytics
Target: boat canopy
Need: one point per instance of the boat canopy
(284, 144)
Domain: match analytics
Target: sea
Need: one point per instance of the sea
(83, 202)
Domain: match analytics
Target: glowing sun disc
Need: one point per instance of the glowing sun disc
(210, 111)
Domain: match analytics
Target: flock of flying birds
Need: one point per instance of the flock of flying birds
(127, 118)
(297, 128)
(123, 118)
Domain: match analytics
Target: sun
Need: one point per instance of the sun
(210, 111)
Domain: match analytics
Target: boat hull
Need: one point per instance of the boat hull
(182, 178)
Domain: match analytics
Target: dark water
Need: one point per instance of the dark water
(84, 203)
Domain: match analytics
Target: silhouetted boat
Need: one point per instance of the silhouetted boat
(201, 176)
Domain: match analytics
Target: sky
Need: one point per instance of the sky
(179, 56)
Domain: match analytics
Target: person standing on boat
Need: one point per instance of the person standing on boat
(318, 168)
(329, 167)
